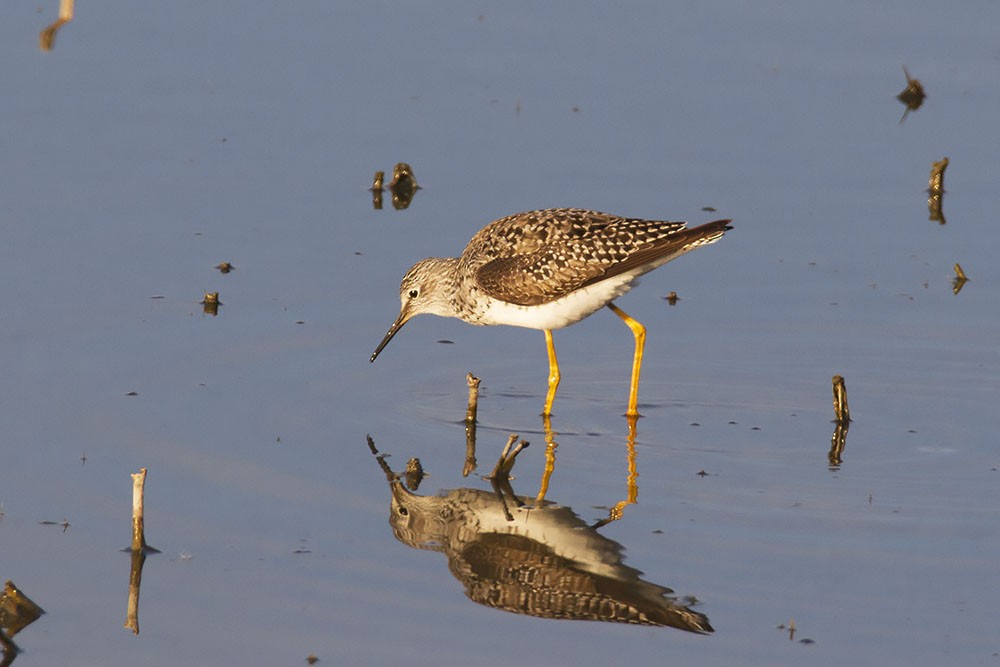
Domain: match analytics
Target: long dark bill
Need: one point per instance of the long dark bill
(396, 326)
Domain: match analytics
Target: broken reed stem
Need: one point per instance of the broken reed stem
(935, 184)
(841, 412)
(470, 412)
(138, 529)
(470, 425)
(47, 37)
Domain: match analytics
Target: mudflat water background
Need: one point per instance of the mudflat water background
(156, 141)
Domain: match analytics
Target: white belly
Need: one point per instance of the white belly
(561, 312)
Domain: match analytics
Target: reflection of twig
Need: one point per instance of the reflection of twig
(10, 649)
(134, 584)
(470, 425)
(47, 38)
(390, 476)
(838, 441)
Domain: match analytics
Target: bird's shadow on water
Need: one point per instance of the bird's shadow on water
(530, 555)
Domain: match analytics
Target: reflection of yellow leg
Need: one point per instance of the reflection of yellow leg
(639, 332)
(553, 374)
(631, 483)
(550, 459)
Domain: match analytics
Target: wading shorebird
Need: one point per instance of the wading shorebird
(546, 270)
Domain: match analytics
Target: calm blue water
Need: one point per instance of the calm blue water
(156, 141)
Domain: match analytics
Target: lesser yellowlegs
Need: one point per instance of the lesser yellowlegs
(546, 270)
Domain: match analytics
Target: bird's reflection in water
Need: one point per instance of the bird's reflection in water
(540, 559)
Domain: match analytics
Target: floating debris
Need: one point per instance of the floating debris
(138, 514)
(17, 611)
(935, 191)
(414, 474)
(211, 303)
(376, 190)
(936, 181)
(225, 267)
(47, 38)
(842, 423)
(958, 282)
(840, 409)
(912, 96)
(403, 186)
(470, 424)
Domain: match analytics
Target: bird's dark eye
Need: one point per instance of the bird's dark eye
(403, 511)
(414, 293)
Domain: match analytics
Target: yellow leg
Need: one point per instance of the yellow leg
(639, 332)
(553, 374)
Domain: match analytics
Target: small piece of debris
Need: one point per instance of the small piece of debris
(912, 96)
(225, 267)
(211, 303)
(958, 282)
(403, 186)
